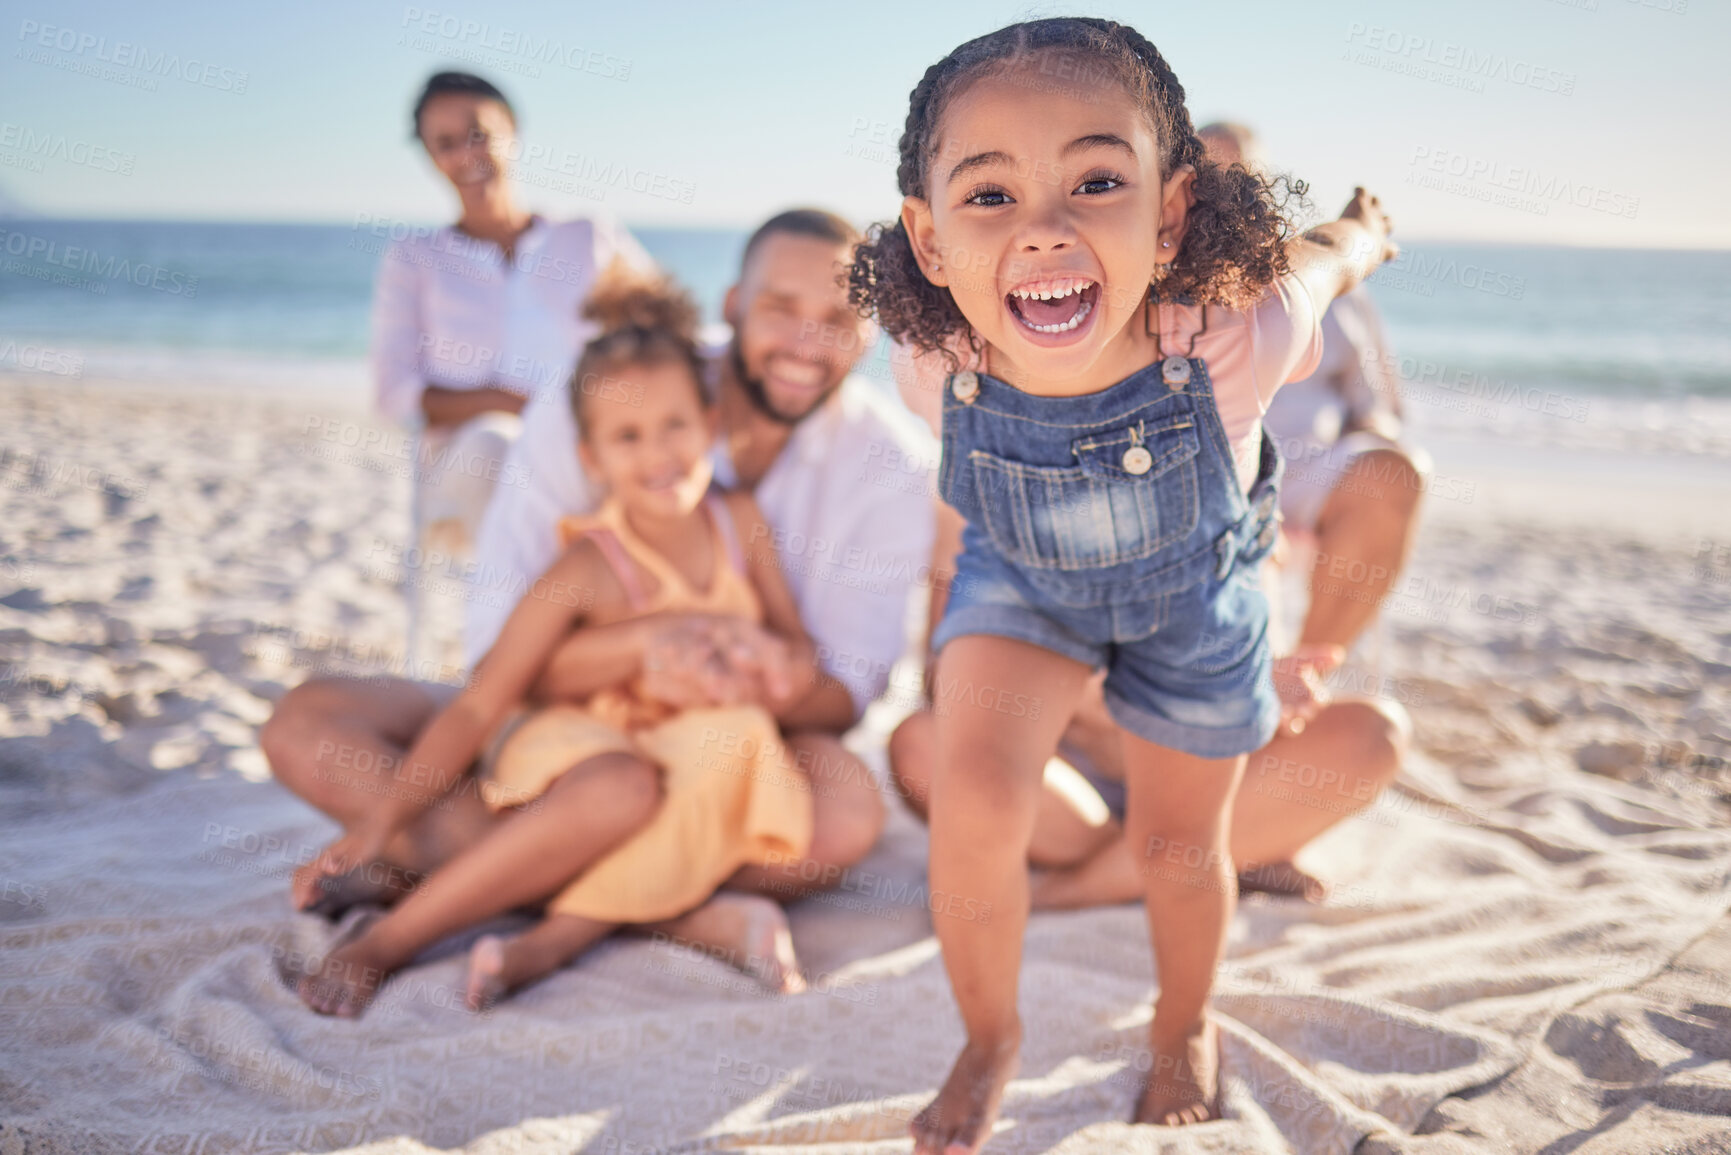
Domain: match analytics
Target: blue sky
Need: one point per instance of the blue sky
(1557, 121)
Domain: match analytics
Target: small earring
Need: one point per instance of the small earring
(1165, 244)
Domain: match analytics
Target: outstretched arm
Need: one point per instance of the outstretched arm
(1331, 259)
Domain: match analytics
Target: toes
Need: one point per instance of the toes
(925, 1143)
(486, 965)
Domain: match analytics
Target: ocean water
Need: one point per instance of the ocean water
(1570, 344)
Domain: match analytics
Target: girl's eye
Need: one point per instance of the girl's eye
(987, 197)
(1097, 184)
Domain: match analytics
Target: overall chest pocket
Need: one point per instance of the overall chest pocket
(1104, 510)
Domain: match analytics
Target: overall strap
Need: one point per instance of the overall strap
(620, 562)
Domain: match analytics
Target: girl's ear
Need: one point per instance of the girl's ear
(1177, 198)
(923, 238)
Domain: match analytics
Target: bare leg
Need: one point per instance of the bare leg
(1179, 824)
(984, 799)
(1073, 822)
(1294, 788)
(339, 744)
(585, 813)
(1363, 536)
(501, 966)
(747, 931)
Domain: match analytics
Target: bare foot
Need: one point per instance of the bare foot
(1183, 1081)
(346, 980)
(334, 895)
(349, 870)
(960, 1119)
(486, 985)
(1282, 878)
(747, 931)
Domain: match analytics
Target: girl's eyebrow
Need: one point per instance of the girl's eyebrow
(978, 160)
(1109, 140)
(1099, 140)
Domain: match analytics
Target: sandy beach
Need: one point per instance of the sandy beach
(1526, 948)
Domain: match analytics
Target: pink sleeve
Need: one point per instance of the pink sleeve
(1286, 327)
(396, 344)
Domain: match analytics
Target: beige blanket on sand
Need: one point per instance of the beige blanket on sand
(142, 1009)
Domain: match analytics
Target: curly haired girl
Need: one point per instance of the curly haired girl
(1117, 311)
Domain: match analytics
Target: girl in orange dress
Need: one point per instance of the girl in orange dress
(663, 542)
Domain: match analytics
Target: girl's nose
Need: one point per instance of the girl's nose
(1045, 228)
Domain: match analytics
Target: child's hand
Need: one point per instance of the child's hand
(701, 660)
(1367, 210)
(1298, 682)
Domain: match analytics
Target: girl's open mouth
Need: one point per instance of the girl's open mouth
(1055, 306)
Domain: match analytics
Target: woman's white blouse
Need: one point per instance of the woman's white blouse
(450, 310)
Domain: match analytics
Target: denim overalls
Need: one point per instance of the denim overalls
(1111, 528)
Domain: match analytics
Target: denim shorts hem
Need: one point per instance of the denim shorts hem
(1199, 741)
(1018, 625)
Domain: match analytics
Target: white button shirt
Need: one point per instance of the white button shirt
(450, 310)
(849, 500)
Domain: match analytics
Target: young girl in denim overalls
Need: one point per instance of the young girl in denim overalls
(1130, 307)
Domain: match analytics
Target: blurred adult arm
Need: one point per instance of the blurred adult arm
(396, 338)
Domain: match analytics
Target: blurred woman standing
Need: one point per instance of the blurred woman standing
(471, 320)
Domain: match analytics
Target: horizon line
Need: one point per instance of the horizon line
(1708, 246)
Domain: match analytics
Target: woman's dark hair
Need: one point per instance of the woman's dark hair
(1235, 242)
(466, 83)
(645, 319)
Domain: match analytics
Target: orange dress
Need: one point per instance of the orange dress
(731, 795)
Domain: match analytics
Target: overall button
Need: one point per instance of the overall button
(1137, 460)
(1265, 504)
(966, 386)
(1175, 371)
(1266, 537)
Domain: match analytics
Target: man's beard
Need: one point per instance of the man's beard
(758, 394)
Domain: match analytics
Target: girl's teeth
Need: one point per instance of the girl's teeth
(1053, 294)
(1066, 326)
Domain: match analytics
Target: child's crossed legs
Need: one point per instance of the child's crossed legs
(983, 802)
